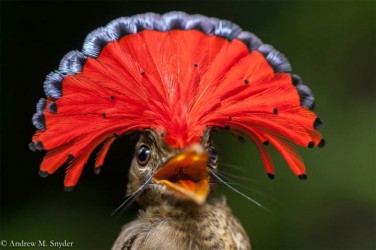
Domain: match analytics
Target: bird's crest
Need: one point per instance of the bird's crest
(178, 74)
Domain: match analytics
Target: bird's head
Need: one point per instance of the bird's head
(160, 172)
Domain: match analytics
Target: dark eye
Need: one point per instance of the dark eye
(213, 156)
(143, 155)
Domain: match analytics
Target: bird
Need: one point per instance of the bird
(178, 215)
(173, 79)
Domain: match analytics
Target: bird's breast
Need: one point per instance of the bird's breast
(211, 226)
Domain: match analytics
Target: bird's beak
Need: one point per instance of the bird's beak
(187, 174)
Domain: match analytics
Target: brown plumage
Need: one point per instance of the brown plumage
(210, 226)
(170, 219)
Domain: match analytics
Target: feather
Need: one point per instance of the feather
(180, 75)
(103, 152)
(290, 154)
(265, 155)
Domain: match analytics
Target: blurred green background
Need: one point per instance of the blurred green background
(331, 45)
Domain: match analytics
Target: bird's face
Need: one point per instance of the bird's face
(162, 173)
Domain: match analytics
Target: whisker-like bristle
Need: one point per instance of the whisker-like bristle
(130, 198)
(239, 177)
(236, 167)
(264, 194)
(229, 181)
(240, 193)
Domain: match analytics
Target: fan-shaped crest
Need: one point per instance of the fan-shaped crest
(180, 75)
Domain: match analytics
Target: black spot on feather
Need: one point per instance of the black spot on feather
(271, 176)
(32, 146)
(302, 177)
(52, 107)
(317, 124)
(43, 174)
(97, 170)
(68, 189)
(38, 145)
(321, 143)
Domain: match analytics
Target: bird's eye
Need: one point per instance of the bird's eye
(143, 155)
(213, 156)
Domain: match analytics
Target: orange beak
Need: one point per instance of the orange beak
(187, 174)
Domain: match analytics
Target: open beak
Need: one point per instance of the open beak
(187, 174)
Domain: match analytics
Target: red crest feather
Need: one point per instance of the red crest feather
(179, 82)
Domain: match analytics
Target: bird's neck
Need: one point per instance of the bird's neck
(208, 226)
(184, 210)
